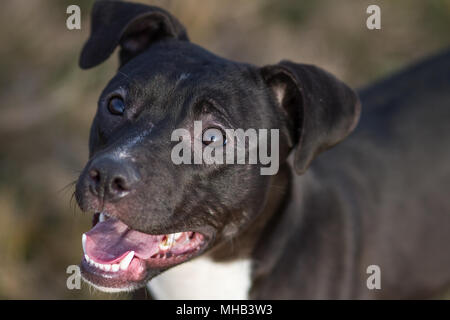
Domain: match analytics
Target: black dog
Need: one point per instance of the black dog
(380, 198)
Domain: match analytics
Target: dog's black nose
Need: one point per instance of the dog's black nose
(110, 178)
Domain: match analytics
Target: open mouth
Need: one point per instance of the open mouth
(118, 258)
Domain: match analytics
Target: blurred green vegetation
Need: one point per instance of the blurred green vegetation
(48, 103)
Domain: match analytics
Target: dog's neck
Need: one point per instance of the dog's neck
(241, 246)
(226, 271)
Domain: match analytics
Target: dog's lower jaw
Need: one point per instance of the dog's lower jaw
(203, 278)
(110, 290)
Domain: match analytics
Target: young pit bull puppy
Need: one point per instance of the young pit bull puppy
(225, 230)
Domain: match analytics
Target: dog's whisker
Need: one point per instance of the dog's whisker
(67, 186)
(133, 81)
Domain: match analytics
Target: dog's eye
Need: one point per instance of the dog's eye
(214, 137)
(116, 106)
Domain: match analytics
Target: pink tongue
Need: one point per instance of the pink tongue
(109, 241)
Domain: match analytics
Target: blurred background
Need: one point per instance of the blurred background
(47, 102)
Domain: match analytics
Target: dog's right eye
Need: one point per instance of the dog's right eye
(214, 136)
(116, 106)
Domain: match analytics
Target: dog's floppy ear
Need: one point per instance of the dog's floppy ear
(320, 110)
(132, 26)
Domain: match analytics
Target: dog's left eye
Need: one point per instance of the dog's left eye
(214, 137)
(116, 106)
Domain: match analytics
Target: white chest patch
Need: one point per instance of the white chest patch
(204, 279)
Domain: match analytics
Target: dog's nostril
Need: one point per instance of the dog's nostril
(109, 178)
(94, 175)
(119, 184)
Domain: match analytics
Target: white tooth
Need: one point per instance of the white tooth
(97, 265)
(167, 242)
(101, 217)
(126, 261)
(115, 268)
(83, 242)
(86, 257)
(91, 262)
(170, 239)
(101, 266)
(107, 267)
(164, 244)
(177, 235)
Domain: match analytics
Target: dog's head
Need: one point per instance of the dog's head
(151, 213)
